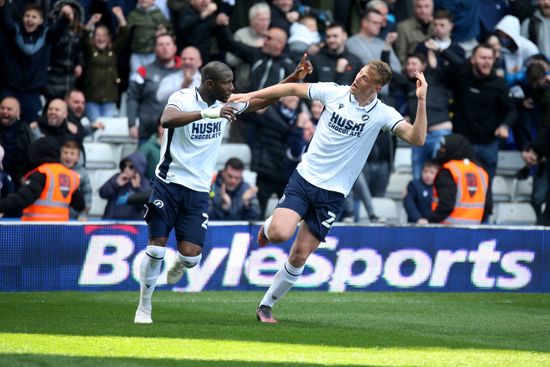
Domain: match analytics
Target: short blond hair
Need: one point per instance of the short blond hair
(382, 71)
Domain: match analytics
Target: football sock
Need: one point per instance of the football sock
(267, 223)
(149, 271)
(285, 278)
(189, 261)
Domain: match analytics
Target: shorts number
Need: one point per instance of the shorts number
(328, 223)
(205, 223)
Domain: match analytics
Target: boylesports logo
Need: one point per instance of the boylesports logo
(158, 203)
(345, 126)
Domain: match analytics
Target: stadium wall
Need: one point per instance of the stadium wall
(105, 256)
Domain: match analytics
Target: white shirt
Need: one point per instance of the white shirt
(171, 83)
(188, 153)
(344, 137)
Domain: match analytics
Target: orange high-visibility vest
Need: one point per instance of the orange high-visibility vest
(53, 203)
(471, 191)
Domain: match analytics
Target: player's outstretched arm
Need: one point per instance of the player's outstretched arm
(416, 134)
(303, 69)
(173, 117)
(275, 92)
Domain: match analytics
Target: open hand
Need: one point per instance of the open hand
(228, 112)
(240, 97)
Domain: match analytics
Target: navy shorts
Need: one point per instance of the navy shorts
(174, 206)
(317, 207)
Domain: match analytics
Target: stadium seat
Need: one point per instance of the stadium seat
(515, 214)
(99, 156)
(99, 176)
(230, 150)
(116, 130)
(509, 162)
(384, 208)
(501, 191)
(98, 207)
(403, 160)
(397, 187)
(522, 190)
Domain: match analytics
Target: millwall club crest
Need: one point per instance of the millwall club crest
(340, 106)
(64, 185)
(365, 118)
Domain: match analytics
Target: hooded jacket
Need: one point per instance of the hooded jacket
(117, 196)
(514, 61)
(44, 150)
(457, 147)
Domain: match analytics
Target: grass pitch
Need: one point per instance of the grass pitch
(315, 329)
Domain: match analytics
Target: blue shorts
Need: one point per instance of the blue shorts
(317, 207)
(174, 206)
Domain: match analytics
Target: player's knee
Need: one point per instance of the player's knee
(278, 233)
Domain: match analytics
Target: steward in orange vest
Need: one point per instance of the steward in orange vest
(461, 192)
(49, 189)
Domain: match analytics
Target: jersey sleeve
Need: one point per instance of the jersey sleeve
(240, 107)
(393, 118)
(177, 100)
(321, 91)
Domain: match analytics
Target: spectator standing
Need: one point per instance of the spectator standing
(461, 192)
(437, 106)
(483, 110)
(121, 185)
(441, 41)
(466, 14)
(231, 197)
(143, 100)
(259, 17)
(70, 158)
(283, 15)
(145, 22)
(269, 146)
(414, 30)
(76, 104)
(6, 183)
(368, 47)
(418, 200)
(101, 78)
(67, 58)
(537, 27)
(28, 49)
(196, 24)
(49, 189)
(189, 77)
(334, 63)
(56, 125)
(15, 137)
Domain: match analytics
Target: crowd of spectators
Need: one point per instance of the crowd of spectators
(66, 63)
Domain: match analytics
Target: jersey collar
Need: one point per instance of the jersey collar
(201, 101)
(368, 107)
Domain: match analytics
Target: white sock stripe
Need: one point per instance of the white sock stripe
(291, 273)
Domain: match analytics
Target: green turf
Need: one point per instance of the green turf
(315, 329)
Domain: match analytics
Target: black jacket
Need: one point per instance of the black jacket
(195, 31)
(481, 104)
(44, 150)
(265, 70)
(16, 140)
(324, 67)
(25, 67)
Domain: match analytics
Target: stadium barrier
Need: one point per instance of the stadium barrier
(101, 256)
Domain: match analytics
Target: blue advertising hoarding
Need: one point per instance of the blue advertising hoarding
(106, 256)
